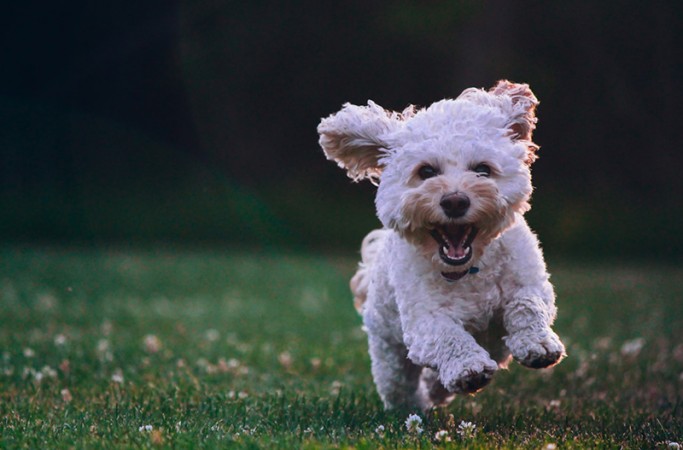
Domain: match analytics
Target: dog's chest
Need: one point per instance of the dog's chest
(474, 301)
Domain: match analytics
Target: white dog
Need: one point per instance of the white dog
(455, 282)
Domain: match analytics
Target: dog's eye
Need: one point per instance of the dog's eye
(427, 171)
(482, 170)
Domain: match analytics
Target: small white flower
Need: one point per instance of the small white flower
(60, 340)
(633, 347)
(336, 387)
(550, 446)
(442, 436)
(553, 405)
(49, 372)
(212, 335)
(203, 363)
(250, 431)
(413, 423)
(66, 395)
(104, 350)
(466, 429)
(285, 360)
(103, 345)
(152, 343)
(673, 445)
(29, 353)
(29, 372)
(145, 428)
(233, 363)
(117, 376)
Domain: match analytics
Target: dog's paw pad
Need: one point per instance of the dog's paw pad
(472, 381)
(474, 377)
(541, 361)
(537, 353)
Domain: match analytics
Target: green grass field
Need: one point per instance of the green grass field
(196, 348)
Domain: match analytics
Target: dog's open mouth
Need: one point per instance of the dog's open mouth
(455, 242)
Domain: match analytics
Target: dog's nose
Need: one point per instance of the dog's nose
(455, 204)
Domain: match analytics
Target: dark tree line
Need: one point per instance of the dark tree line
(124, 93)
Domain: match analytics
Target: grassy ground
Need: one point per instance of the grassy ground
(178, 348)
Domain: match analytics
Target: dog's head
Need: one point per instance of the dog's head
(451, 177)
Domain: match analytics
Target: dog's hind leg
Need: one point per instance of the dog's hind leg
(396, 377)
(432, 390)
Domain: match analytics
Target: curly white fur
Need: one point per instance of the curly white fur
(450, 288)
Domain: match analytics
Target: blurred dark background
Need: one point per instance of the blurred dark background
(194, 122)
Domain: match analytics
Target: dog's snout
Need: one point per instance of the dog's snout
(455, 204)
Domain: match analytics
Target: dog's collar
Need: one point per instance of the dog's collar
(455, 276)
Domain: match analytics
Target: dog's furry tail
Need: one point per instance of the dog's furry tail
(360, 283)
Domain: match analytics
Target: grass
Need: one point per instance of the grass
(195, 348)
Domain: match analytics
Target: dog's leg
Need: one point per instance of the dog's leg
(396, 377)
(530, 339)
(444, 345)
(432, 390)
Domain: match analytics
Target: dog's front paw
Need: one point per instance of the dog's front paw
(470, 376)
(537, 349)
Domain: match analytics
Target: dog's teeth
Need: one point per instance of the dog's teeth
(465, 236)
(445, 239)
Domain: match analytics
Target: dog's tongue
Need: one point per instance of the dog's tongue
(456, 242)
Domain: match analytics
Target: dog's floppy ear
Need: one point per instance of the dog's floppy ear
(353, 137)
(523, 115)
